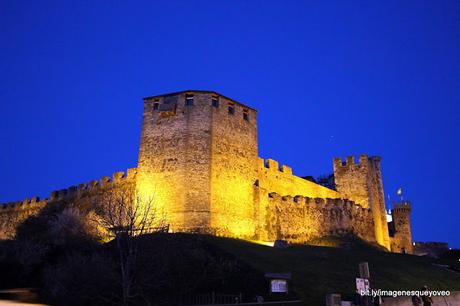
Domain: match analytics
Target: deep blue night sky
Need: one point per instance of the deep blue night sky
(330, 79)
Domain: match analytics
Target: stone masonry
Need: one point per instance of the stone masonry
(198, 162)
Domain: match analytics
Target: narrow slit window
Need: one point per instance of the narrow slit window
(215, 101)
(188, 99)
(246, 115)
(231, 109)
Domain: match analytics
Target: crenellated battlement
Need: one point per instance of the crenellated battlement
(301, 218)
(14, 213)
(274, 165)
(402, 207)
(93, 185)
(350, 161)
(32, 203)
(319, 202)
(280, 179)
(73, 191)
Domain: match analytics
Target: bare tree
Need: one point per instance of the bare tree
(73, 222)
(125, 217)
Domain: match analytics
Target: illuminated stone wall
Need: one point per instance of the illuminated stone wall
(300, 219)
(362, 183)
(198, 162)
(402, 240)
(233, 168)
(14, 213)
(175, 159)
(92, 193)
(281, 180)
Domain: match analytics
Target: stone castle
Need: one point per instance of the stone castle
(198, 159)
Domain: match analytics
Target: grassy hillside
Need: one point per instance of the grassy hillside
(320, 270)
(172, 269)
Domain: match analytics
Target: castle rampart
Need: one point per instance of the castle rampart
(12, 214)
(433, 249)
(301, 219)
(280, 179)
(198, 161)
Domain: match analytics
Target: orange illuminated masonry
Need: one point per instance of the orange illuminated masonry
(198, 159)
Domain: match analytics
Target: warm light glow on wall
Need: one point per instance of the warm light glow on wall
(232, 207)
(148, 192)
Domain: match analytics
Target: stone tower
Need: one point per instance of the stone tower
(402, 239)
(198, 161)
(362, 183)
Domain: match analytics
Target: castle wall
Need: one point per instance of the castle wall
(198, 162)
(278, 179)
(14, 213)
(87, 194)
(362, 183)
(300, 219)
(233, 168)
(432, 249)
(175, 159)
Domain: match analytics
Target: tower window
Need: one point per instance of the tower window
(215, 101)
(231, 109)
(188, 99)
(246, 115)
(156, 104)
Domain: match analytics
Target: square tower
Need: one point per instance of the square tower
(362, 183)
(198, 161)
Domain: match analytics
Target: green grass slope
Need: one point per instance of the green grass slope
(317, 271)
